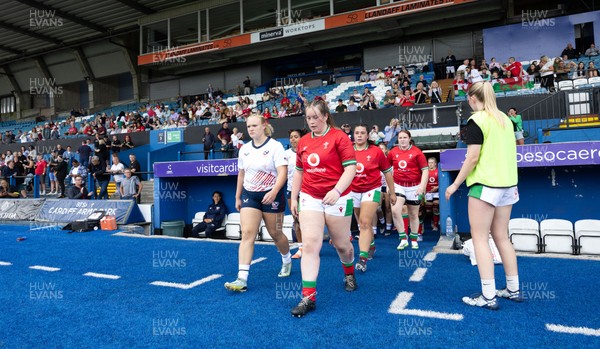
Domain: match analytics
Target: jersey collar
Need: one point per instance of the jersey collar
(312, 134)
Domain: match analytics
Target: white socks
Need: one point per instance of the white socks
(243, 271)
(512, 283)
(488, 288)
(286, 258)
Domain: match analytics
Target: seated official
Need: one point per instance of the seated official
(213, 218)
(8, 191)
(78, 190)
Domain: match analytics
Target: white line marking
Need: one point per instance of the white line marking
(46, 227)
(258, 260)
(186, 286)
(430, 257)
(573, 330)
(5, 264)
(44, 268)
(399, 304)
(418, 275)
(102, 276)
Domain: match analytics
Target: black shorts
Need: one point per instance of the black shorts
(253, 199)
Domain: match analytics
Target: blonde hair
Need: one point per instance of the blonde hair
(263, 121)
(484, 93)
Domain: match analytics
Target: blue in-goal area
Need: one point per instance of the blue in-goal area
(119, 307)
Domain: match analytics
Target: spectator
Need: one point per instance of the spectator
(101, 151)
(131, 187)
(450, 60)
(391, 131)
(68, 155)
(592, 71)
(117, 169)
(515, 68)
(348, 131)
(592, 51)
(463, 67)
(364, 77)
(55, 133)
(419, 94)
(375, 136)
(473, 75)
(546, 73)
(380, 74)
(435, 93)
(135, 166)
(366, 94)
(351, 105)
(517, 123)
(52, 164)
(61, 173)
(78, 190)
(580, 72)
(77, 170)
(247, 85)
(226, 149)
(372, 76)
(424, 82)
(388, 99)
(208, 140)
(84, 154)
(408, 99)
(40, 173)
(46, 131)
(533, 69)
(341, 107)
(127, 143)
(210, 91)
(9, 169)
(483, 65)
(371, 104)
(224, 133)
(569, 51)
(115, 145)
(495, 66)
(560, 70)
(99, 177)
(213, 218)
(9, 191)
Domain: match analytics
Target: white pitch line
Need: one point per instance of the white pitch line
(186, 286)
(258, 260)
(102, 276)
(430, 257)
(399, 304)
(46, 227)
(573, 330)
(44, 268)
(418, 275)
(5, 264)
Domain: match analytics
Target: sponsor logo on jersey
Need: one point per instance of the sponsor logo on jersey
(313, 159)
(431, 179)
(402, 164)
(360, 167)
(266, 152)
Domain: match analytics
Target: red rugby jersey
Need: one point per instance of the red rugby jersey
(370, 163)
(407, 165)
(322, 160)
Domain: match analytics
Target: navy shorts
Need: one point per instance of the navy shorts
(253, 199)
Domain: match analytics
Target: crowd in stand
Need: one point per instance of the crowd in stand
(546, 71)
(57, 172)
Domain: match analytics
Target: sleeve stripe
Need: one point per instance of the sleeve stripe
(348, 163)
(388, 170)
(425, 168)
(299, 169)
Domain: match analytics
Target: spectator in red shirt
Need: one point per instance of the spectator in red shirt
(515, 68)
(40, 172)
(72, 130)
(285, 102)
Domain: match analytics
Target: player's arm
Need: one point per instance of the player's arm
(238, 190)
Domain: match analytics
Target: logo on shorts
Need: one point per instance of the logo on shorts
(369, 195)
(313, 160)
(341, 209)
(245, 200)
(275, 205)
(359, 167)
(402, 164)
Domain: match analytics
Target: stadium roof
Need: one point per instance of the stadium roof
(31, 27)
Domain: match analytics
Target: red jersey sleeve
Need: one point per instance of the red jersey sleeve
(346, 150)
(384, 163)
(422, 160)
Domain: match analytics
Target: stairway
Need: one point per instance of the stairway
(446, 85)
(147, 192)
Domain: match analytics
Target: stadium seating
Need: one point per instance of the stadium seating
(288, 223)
(233, 227)
(587, 233)
(524, 233)
(557, 236)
